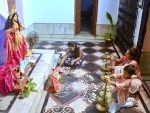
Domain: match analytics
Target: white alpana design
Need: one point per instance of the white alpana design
(79, 86)
(79, 72)
(64, 91)
(89, 93)
(58, 109)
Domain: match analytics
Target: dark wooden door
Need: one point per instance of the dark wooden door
(94, 16)
(78, 16)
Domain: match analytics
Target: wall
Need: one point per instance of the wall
(28, 12)
(145, 55)
(2, 40)
(146, 42)
(25, 11)
(85, 4)
(103, 23)
(4, 8)
(56, 17)
(53, 11)
(104, 6)
(3, 16)
(11, 4)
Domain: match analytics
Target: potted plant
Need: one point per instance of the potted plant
(109, 35)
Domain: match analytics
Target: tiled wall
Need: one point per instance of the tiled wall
(27, 30)
(54, 29)
(64, 28)
(101, 29)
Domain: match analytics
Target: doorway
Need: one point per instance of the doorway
(86, 16)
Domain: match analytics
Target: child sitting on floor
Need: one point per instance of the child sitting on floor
(123, 85)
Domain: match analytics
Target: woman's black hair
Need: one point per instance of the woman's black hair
(134, 54)
(76, 48)
(71, 44)
(9, 22)
(130, 69)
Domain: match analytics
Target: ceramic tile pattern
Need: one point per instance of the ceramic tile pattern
(77, 90)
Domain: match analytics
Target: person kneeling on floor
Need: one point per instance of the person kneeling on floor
(74, 55)
(123, 85)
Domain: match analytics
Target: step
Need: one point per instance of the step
(39, 74)
(79, 37)
(44, 93)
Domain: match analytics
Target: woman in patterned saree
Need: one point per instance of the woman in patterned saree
(16, 50)
(74, 55)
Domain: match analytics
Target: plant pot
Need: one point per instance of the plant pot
(109, 40)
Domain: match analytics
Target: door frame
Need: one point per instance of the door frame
(75, 18)
(94, 17)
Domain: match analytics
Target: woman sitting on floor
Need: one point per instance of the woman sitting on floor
(130, 57)
(74, 55)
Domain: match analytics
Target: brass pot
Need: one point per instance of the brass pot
(109, 40)
(101, 108)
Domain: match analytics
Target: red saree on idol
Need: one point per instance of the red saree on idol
(8, 78)
(15, 52)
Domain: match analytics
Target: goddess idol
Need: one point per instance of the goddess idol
(15, 51)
